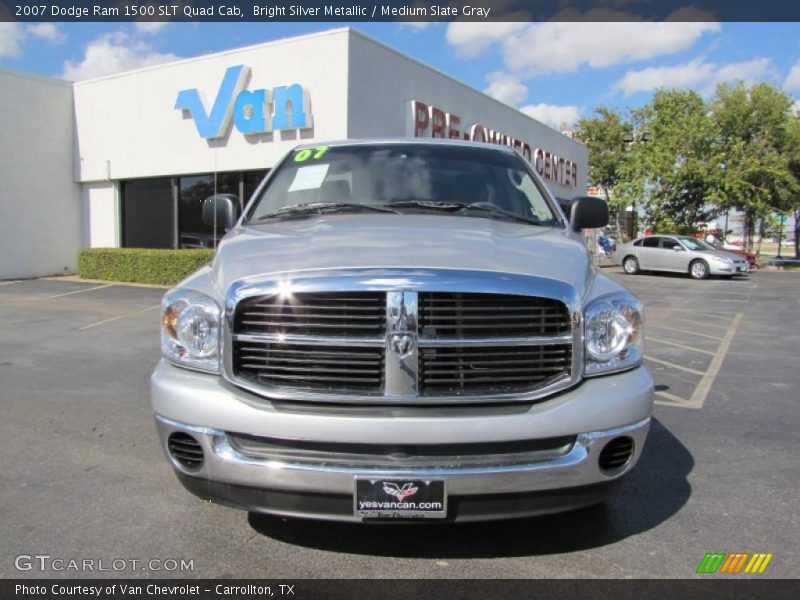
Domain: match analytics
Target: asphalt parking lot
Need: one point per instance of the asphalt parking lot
(84, 477)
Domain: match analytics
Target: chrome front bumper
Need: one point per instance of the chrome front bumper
(618, 405)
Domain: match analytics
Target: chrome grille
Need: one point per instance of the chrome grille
(331, 368)
(328, 314)
(465, 315)
(459, 370)
(344, 342)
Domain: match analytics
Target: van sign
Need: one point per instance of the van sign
(253, 112)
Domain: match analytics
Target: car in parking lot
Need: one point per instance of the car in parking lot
(678, 254)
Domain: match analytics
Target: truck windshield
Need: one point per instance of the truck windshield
(405, 178)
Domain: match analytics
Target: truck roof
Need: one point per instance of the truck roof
(409, 141)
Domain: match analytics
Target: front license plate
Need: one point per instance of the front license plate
(400, 499)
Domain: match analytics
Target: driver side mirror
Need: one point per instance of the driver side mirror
(221, 210)
(588, 212)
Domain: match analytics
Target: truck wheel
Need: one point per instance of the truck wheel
(698, 269)
(630, 265)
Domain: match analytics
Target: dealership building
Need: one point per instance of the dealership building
(127, 160)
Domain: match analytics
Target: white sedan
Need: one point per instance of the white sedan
(678, 254)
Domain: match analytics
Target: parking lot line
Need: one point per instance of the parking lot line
(42, 299)
(666, 363)
(9, 282)
(677, 345)
(719, 326)
(673, 399)
(118, 317)
(726, 316)
(702, 389)
(703, 335)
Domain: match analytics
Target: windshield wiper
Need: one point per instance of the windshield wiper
(296, 210)
(485, 207)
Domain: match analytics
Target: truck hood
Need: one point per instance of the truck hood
(400, 241)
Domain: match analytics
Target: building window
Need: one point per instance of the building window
(149, 218)
(147, 213)
(250, 181)
(193, 191)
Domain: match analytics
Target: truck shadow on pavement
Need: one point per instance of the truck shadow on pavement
(655, 490)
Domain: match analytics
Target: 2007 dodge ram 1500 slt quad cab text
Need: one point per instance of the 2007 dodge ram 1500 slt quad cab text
(402, 329)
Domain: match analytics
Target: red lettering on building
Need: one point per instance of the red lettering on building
(421, 118)
(453, 122)
(430, 121)
(438, 121)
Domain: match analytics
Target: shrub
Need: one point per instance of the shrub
(141, 265)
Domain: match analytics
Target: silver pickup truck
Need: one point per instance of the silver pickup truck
(403, 329)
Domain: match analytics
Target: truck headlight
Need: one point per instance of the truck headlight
(613, 334)
(190, 330)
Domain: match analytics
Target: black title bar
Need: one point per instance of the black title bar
(393, 589)
(265, 11)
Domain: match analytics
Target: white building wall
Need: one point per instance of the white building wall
(127, 126)
(100, 215)
(383, 83)
(40, 205)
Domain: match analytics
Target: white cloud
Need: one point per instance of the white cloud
(417, 25)
(10, 40)
(682, 76)
(793, 78)
(48, 32)
(748, 71)
(473, 39)
(150, 27)
(506, 88)
(532, 49)
(114, 53)
(554, 115)
(698, 74)
(544, 48)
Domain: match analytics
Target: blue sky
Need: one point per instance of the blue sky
(556, 72)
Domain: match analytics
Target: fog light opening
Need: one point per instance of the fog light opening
(185, 450)
(616, 455)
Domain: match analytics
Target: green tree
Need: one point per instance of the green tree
(675, 173)
(758, 145)
(605, 136)
(793, 155)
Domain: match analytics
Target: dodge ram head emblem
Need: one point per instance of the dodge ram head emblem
(402, 344)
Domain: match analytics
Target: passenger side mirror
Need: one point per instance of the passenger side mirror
(221, 210)
(588, 212)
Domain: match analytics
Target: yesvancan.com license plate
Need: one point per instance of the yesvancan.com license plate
(400, 499)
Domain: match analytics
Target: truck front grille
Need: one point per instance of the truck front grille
(460, 315)
(408, 347)
(501, 369)
(321, 368)
(328, 314)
